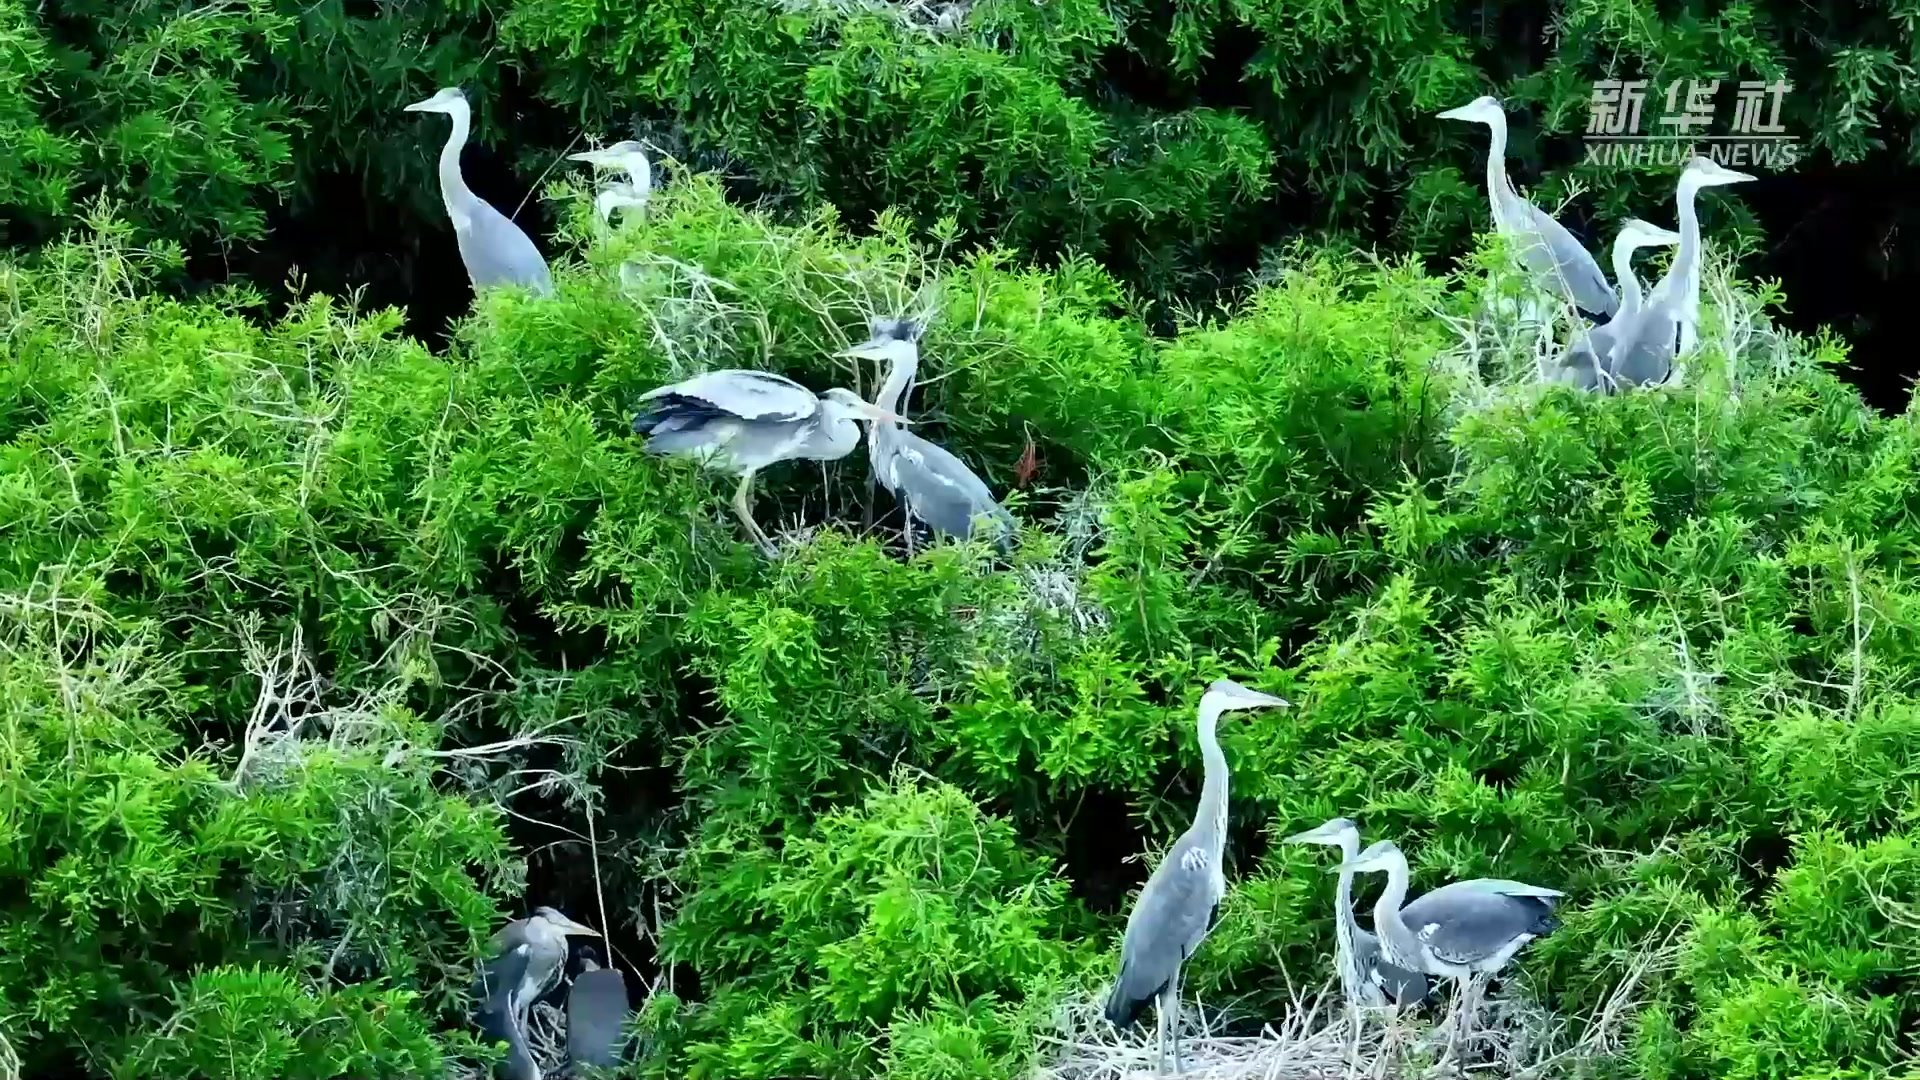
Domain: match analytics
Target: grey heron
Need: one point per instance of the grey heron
(627, 156)
(1543, 244)
(596, 1015)
(1463, 930)
(740, 422)
(1587, 363)
(934, 485)
(1645, 350)
(1366, 978)
(1176, 908)
(494, 249)
(529, 958)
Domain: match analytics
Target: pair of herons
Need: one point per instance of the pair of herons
(529, 963)
(1643, 334)
(1466, 931)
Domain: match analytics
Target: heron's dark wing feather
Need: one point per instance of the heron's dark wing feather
(940, 488)
(748, 395)
(596, 1016)
(499, 978)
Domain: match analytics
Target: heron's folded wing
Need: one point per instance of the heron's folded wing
(1554, 250)
(942, 490)
(1168, 922)
(749, 395)
(1464, 923)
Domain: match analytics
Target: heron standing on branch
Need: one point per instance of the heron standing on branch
(627, 156)
(1366, 978)
(494, 249)
(1556, 259)
(1644, 352)
(930, 482)
(743, 421)
(1465, 931)
(529, 958)
(1176, 908)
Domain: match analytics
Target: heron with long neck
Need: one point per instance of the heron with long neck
(1557, 261)
(1644, 352)
(1176, 907)
(1587, 363)
(494, 249)
(931, 483)
(1366, 979)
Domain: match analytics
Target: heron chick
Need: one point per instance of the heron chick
(1367, 979)
(1176, 908)
(627, 156)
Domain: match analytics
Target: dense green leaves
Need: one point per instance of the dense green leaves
(316, 645)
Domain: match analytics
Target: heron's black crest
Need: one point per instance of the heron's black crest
(896, 329)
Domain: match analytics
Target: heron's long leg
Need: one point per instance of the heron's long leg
(744, 511)
(1173, 1020)
(1456, 1018)
(906, 515)
(1160, 1031)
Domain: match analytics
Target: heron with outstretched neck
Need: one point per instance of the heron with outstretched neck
(626, 156)
(1559, 263)
(1176, 908)
(494, 250)
(1367, 979)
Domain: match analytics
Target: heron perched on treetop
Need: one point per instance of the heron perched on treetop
(1643, 352)
(629, 157)
(529, 958)
(494, 249)
(1366, 978)
(743, 421)
(1588, 362)
(1175, 909)
(933, 484)
(1463, 930)
(1556, 259)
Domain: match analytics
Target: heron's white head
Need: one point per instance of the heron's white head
(1333, 833)
(553, 917)
(1703, 171)
(450, 101)
(847, 403)
(1635, 233)
(1225, 695)
(1485, 109)
(1379, 855)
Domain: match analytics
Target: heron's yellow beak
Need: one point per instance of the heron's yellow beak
(572, 927)
(864, 350)
(888, 415)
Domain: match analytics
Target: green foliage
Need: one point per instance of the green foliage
(298, 616)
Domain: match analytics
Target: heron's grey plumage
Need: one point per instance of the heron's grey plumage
(740, 422)
(1367, 978)
(494, 249)
(1644, 353)
(529, 960)
(596, 1016)
(936, 486)
(1588, 362)
(1543, 245)
(1176, 908)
